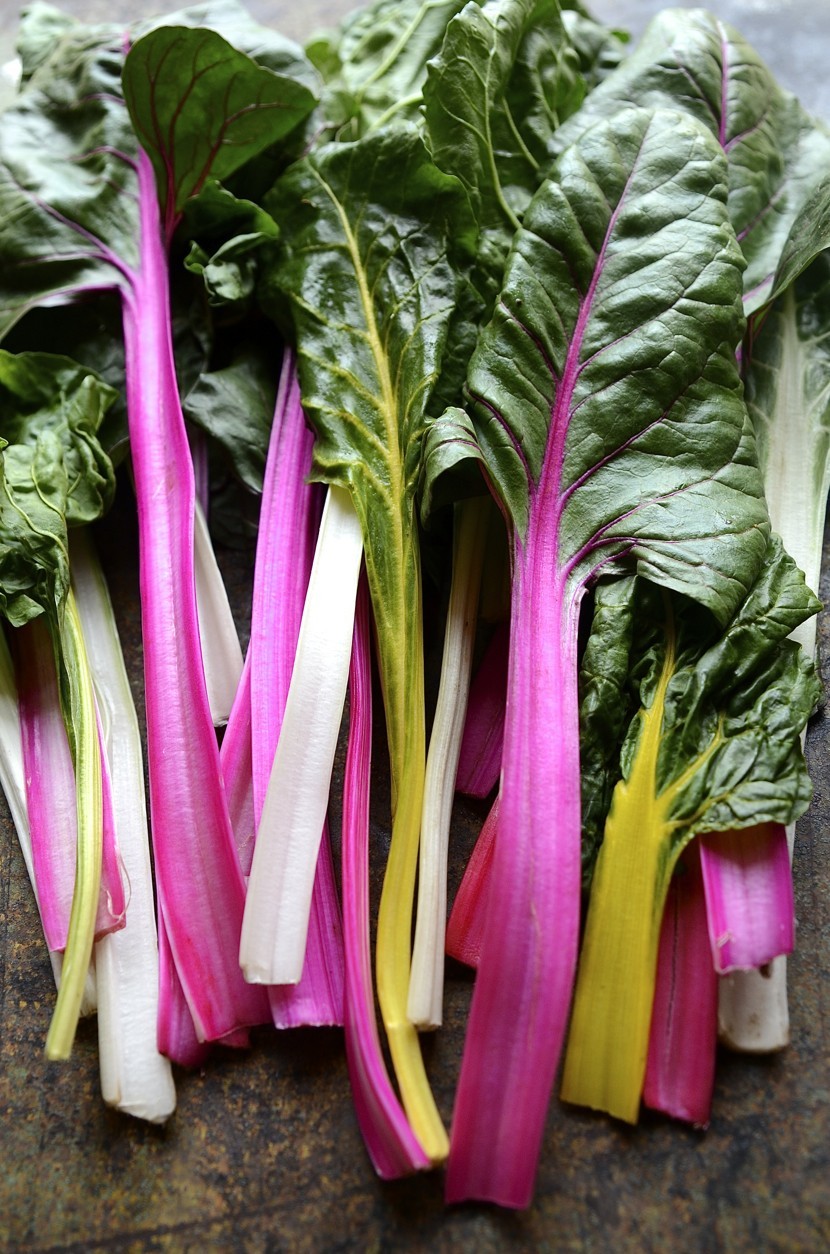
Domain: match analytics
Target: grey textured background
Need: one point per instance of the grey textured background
(264, 1154)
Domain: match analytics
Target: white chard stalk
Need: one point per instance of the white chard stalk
(426, 986)
(221, 650)
(135, 1077)
(275, 925)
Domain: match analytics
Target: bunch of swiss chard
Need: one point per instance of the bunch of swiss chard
(450, 255)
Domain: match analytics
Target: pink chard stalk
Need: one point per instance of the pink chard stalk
(680, 1073)
(289, 523)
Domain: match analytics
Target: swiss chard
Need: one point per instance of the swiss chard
(608, 446)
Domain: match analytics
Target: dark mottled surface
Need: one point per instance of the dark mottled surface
(263, 1153)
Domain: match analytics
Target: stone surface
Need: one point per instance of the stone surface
(264, 1154)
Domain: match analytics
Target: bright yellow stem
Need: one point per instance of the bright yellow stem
(607, 1049)
(83, 739)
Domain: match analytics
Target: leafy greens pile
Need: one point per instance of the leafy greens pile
(447, 253)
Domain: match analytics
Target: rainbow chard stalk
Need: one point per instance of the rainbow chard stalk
(50, 795)
(105, 220)
(748, 889)
(579, 413)
(288, 529)
(467, 921)
(13, 784)
(479, 761)
(367, 226)
(715, 746)
(54, 474)
(680, 1073)
(236, 760)
(389, 1139)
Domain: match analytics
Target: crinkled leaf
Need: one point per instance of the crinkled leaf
(68, 213)
(200, 107)
(599, 49)
(505, 78)
(366, 231)
(235, 405)
(605, 386)
(451, 461)
(375, 69)
(40, 392)
(53, 473)
(228, 234)
(605, 707)
(41, 26)
(730, 754)
(777, 154)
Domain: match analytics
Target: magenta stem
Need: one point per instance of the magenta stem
(680, 1072)
(200, 886)
(749, 896)
(289, 523)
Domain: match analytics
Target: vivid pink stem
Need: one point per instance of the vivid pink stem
(200, 886)
(51, 795)
(465, 928)
(391, 1143)
(479, 764)
(236, 760)
(176, 1035)
(289, 523)
(680, 1073)
(528, 956)
(749, 896)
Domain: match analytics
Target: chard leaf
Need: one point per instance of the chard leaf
(731, 712)
(53, 474)
(375, 69)
(366, 232)
(777, 154)
(235, 406)
(234, 109)
(599, 49)
(67, 179)
(605, 707)
(581, 392)
(505, 78)
(41, 26)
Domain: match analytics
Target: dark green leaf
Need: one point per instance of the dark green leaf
(201, 107)
(53, 474)
(375, 69)
(235, 406)
(777, 154)
(606, 384)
